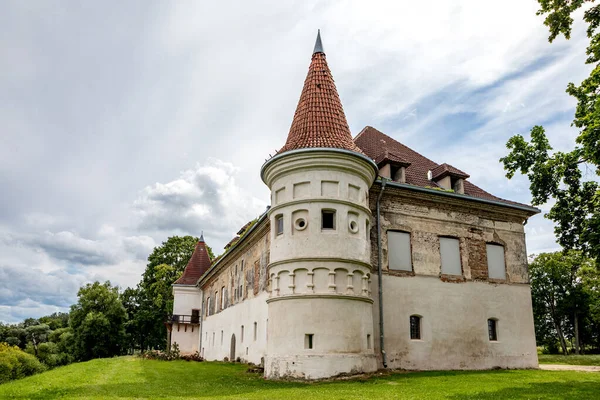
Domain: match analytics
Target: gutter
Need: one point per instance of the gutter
(380, 279)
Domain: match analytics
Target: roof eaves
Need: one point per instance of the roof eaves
(530, 209)
(235, 245)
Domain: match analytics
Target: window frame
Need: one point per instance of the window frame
(489, 245)
(492, 329)
(461, 273)
(396, 269)
(279, 225)
(333, 213)
(415, 330)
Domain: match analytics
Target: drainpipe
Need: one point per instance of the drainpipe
(201, 324)
(380, 281)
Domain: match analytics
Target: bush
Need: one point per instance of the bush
(172, 354)
(15, 363)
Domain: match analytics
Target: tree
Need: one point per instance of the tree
(56, 320)
(152, 301)
(560, 296)
(37, 334)
(559, 175)
(98, 322)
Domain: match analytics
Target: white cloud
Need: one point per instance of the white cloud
(92, 119)
(205, 198)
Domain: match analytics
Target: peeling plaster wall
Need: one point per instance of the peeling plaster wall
(454, 309)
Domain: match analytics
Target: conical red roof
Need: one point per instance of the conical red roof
(199, 263)
(319, 120)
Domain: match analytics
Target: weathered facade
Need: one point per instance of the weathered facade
(369, 256)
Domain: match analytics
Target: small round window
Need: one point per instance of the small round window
(353, 226)
(300, 224)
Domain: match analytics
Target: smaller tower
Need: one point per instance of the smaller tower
(184, 324)
(320, 306)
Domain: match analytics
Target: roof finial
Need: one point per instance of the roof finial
(318, 44)
(202, 236)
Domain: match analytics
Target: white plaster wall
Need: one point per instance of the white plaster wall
(340, 326)
(454, 324)
(186, 299)
(186, 337)
(230, 321)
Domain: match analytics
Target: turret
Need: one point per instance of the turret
(320, 305)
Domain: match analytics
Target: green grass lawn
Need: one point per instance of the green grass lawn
(571, 360)
(134, 378)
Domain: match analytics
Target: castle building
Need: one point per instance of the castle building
(370, 255)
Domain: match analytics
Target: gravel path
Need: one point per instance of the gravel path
(564, 367)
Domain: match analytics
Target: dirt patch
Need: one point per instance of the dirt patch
(565, 367)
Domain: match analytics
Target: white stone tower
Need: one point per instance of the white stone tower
(320, 308)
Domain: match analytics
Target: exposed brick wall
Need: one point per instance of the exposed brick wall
(477, 258)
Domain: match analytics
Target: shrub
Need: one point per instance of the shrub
(15, 363)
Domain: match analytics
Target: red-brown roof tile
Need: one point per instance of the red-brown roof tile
(319, 120)
(391, 157)
(373, 143)
(198, 264)
(446, 169)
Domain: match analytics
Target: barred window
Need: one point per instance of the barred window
(492, 329)
(415, 327)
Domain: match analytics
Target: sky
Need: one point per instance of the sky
(124, 123)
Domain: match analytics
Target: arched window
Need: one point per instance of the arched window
(415, 327)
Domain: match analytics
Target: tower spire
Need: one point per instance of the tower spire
(318, 44)
(319, 121)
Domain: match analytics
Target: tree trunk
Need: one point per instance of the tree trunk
(561, 337)
(556, 320)
(576, 329)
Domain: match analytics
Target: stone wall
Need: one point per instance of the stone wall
(454, 310)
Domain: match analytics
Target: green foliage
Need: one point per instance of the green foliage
(152, 301)
(16, 364)
(98, 322)
(135, 378)
(55, 320)
(564, 290)
(559, 175)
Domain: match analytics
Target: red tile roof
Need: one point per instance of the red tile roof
(199, 263)
(391, 157)
(319, 120)
(446, 169)
(373, 143)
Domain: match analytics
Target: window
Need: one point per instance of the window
(495, 258)
(195, 316)
(399, 257)
(216, 301)
(242, 335)
(279, 225)
(415, 327)
(450, 254)
(208, 306)
(492, 329)
(328, 219)
(308, 341)
(368, 341)
(223, 298)
(221, 338)
(255, 330)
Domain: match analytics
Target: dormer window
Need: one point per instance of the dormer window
(449, 178)
(392, 166)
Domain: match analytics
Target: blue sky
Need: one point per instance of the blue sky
(126, 124)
